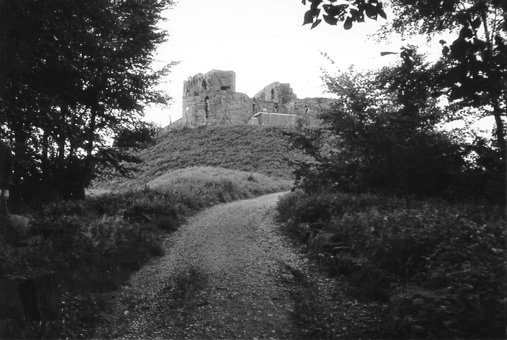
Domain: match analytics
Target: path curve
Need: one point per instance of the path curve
(229, 273)
(219, 278)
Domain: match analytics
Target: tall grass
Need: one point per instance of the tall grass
(92, 246)
(211, 185)
(263, 150)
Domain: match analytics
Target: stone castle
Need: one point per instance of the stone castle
(211, 99)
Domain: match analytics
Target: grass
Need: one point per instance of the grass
(91, 247)
(215, 185)
(263, 150)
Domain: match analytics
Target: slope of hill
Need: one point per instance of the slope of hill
(255, 149)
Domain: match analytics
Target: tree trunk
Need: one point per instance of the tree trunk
(88, 171)
(500, 130)
(62, 138)
(45, 154)
(20, 150)
(500, 140)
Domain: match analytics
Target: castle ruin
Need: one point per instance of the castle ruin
(211, 99)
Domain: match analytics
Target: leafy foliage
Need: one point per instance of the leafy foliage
(75, 75)
(348, 12)
(381, 136)
(86, 253)
(139, 136)
(475, 66)
(439, 267)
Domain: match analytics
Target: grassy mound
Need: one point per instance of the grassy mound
(215, 185)
(263, 150)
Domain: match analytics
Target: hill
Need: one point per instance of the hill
(254, 149)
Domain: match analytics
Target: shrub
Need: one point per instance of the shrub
(305, 208)
(89, 247)
(383, 134)
(92, 246)
(440, 267)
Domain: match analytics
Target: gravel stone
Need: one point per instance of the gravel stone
(228, 273)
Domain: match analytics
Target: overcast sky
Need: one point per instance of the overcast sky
(263, 41)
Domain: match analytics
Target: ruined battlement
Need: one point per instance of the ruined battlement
(211, 99)
(214, 80)
(277, 92)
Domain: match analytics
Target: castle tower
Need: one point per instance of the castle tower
(211, 99)
(280, 93)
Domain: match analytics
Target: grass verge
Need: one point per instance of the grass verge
(90, 247)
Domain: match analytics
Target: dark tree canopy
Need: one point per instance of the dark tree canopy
(474, 64)
(348, 12)
(73, 74)
(380, 134)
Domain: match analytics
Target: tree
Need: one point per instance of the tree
(381, 136)
(73, 76)
(347, 11)
(475, 62)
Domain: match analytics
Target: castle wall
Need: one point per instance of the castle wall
(277, 92)
(217, 108)
(221, 80)
(309, 109)
(230, 108)
(210, 99)
(274, 119)
(211, 81)
(266, 106)
(193, 85)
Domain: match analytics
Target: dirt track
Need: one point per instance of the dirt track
(227, 273)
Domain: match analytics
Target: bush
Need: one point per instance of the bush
(88, 247)
(383, 134)
(440, 267)
(92, 246)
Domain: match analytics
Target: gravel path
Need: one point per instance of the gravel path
(228, 273)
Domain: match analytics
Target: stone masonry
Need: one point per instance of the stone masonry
(211, 99)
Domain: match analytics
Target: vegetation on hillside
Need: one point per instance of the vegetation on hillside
(264, 150)
(216, 184)
(439, 268)
(411, 215)
(384, 135)
(90, 247)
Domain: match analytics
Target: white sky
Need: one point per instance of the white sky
(263, 41)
